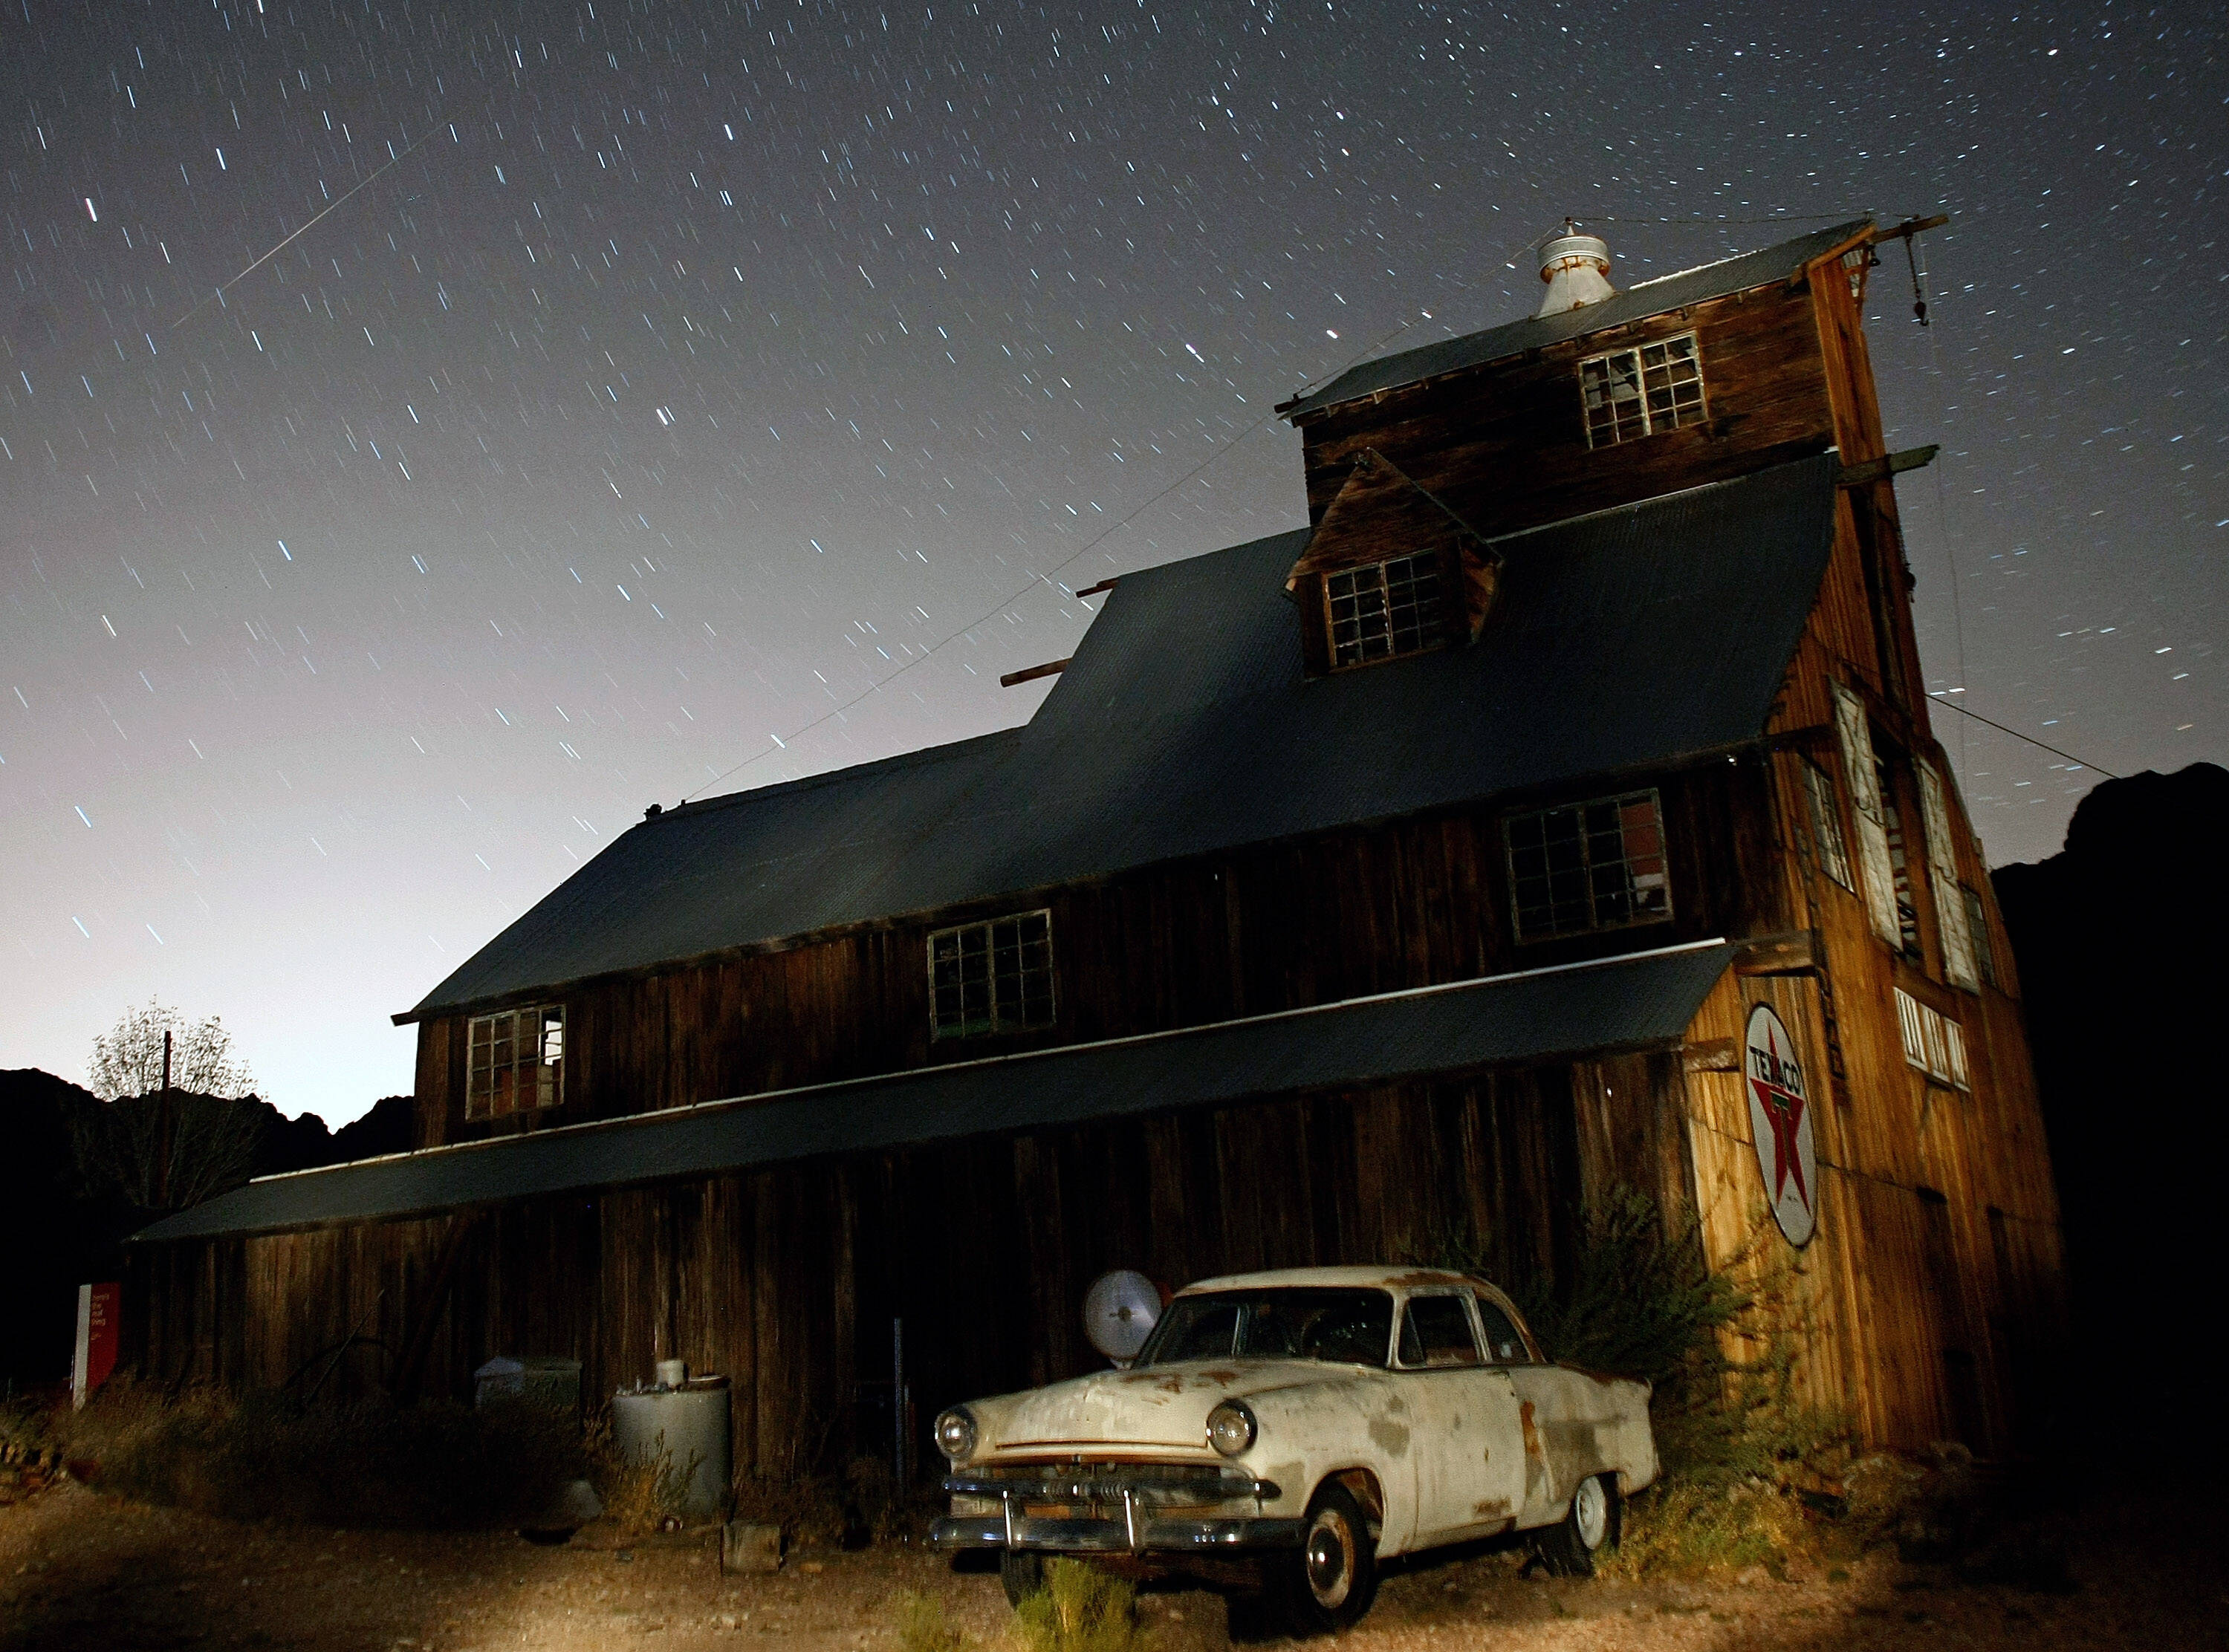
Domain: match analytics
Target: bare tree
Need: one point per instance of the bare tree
(167, 1150)
(128, 1060)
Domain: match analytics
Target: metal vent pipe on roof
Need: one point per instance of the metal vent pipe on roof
(1577, 269)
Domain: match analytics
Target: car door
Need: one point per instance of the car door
(1542, 1393)
(1468, 1442)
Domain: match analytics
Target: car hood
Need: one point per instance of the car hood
(1159, 1405)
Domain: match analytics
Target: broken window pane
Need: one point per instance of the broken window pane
(1634, 393)
(1598, 865)
(515, 1059)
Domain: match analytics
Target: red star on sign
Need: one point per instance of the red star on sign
(1783, 1110)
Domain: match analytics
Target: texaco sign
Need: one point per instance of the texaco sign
(1780, 1124)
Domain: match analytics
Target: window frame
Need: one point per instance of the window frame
(995, 1026)
(1933, 1043)
(1832, 842)
(1479, 1301)
(1429, 620)
(485, 1098)
(1479, 1359)
(1681, 414)
(1619, 801)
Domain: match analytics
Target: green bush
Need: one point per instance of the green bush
(1080, 1608)
(1639, 1301)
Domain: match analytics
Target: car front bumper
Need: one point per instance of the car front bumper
(1110, 1512)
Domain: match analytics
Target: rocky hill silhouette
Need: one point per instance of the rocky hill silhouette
(2117, 940)
(60, 1226)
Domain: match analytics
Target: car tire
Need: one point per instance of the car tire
(1022, 1571)
(1592, 1524)
(1328, 1583)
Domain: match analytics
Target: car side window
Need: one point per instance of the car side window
(1436, 1333)
(1503, 1345)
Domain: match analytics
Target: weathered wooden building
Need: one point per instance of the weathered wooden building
(1422, 870)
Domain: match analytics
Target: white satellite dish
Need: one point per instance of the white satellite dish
(1118, 1311)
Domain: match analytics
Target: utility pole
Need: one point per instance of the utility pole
(163, 1133)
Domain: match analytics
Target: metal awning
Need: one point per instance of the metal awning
(1638, 1001)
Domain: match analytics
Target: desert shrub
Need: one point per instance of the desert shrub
(637, 1496)
(922, 1626)
(1686, 1527)
(265, 1456)
(1641, 1300)
(1080, 1608)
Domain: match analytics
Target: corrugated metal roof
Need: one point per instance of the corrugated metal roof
(1636, 303)
(1635, 1002)
(1626, 638)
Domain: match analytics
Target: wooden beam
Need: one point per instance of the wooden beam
(1912, 458)
(1104, 585)
(1795, 952)
(1910, 226)
(1050, 669)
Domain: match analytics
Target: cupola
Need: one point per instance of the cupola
(1577, 269)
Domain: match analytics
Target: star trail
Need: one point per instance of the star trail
(429, 435)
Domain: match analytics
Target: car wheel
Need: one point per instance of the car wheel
(1329, 1581)
(1568, 1548)
(1022, 1571)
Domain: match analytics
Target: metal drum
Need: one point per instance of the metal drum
(684, 1428)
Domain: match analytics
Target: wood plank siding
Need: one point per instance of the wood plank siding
(1504, 444)
(788, 1280)
(1408, 903)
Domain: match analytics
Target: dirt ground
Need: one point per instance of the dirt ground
(79, 1568)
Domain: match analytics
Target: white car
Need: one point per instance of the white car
(1319, 1418)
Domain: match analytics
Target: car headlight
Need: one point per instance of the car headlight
(1230, 1427)
(955, 1434)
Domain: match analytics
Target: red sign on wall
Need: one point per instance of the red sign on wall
(98, 1318)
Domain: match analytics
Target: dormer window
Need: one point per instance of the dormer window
(1636, 393)
(1362, 605)
(1384, 609)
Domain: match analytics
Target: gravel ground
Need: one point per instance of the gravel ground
(82, 1570)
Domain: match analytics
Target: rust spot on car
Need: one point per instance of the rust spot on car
(1219, 1379)
(1427, 1277)
(1391, 1437)
(1492, 1509)
(1171, 1384)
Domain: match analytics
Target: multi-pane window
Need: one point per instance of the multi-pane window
(1597, 865)
(1636, 393)
(1932, 1041)
(1385, 609)
(515, 1061)
(991, 977)
(1826, 824)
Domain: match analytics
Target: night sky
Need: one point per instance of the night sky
(696, 368)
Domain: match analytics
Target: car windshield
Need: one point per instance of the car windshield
(1340, 1327)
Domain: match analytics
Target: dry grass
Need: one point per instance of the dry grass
(923, 1625)
(1080, 1608)
(262, 1456)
